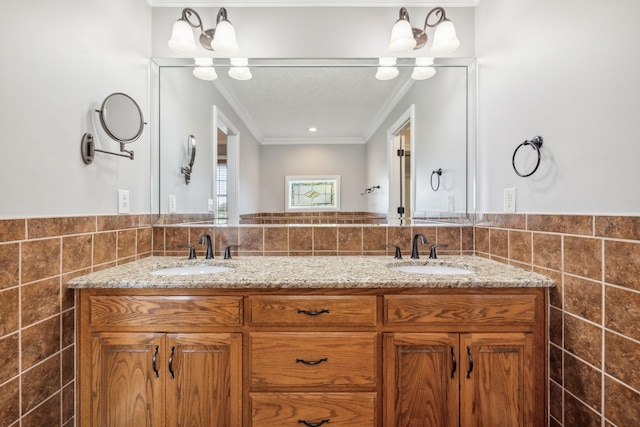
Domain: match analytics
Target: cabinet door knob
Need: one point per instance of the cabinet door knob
(171, 363)
(470, 362)
(312, 362)
(454, 362)
(154, 363)
(313, 424)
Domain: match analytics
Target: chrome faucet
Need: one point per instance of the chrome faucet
(209, 245)
(414, 249)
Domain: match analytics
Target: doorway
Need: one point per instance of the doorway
(226, 141)
(401, 167)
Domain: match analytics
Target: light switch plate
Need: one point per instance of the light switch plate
(123, 201)
(509, 200)
(451, 203)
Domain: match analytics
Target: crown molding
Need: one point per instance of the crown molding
(312, 140)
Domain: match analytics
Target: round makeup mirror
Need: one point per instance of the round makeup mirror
(191, 157)
(121, 118)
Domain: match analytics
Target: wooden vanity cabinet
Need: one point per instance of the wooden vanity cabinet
(296, 357)
(147, 360)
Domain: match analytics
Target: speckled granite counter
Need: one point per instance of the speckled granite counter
(312, 272)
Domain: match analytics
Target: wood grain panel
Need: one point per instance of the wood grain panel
(454, 309)
(342, 359)
(165, 311)
(313, 310)
(292, 409)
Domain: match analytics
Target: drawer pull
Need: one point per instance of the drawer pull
(171, 363)
(154, 363)
(470, 362)
(312, 313)
(313, 424)
(312, 362)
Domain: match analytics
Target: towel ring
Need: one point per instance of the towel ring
(437, 173)
(536, 143)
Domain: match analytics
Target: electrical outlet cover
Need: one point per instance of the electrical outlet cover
(509, 200)
(124, 202)
(172, 203)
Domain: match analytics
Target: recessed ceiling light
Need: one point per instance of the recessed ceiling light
(313, 129)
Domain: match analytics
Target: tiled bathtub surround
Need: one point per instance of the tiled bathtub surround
(594, 310)
(38, 256)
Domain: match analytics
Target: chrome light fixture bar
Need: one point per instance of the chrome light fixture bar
(405, 38)
(221, 39)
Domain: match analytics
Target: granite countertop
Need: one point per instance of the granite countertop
(312, 272)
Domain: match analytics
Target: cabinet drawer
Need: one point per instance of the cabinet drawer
(294, 409)
(165, 311)
(313, 310)
(452, 310)
(313, 359)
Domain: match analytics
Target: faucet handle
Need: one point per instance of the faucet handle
(227, 251)
(192, 251)
(433, 253)
(398, 252)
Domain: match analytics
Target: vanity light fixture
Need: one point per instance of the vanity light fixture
(221, 39)
(405, 38)
(423, 69)
(239, 69)
(204, 69)
(387, 69)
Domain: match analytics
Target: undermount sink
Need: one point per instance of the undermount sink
(188, 270)
(432, 269)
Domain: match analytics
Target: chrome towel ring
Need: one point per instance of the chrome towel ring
(536, 143)
(438, 174)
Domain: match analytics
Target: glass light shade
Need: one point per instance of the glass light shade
(239, 69)
(224, 40)
(182, 41)
(444, 39)
(423, 69)
(401, 37)
(204, 69)
(387, 69)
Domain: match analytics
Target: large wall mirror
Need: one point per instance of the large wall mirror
(314, 118)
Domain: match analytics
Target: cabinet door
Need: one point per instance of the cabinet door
(126, 391)
(204, 383)
(496, 384)
(421, 380)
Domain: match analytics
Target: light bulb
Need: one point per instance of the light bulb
(387, 69)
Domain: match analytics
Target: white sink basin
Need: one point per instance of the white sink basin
(188, 270)
(432, 269)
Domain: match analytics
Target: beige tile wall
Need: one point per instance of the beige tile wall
(594, 311)
(37, 258)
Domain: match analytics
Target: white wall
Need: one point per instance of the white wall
(59, 58)
(567, 71)
(278, 161)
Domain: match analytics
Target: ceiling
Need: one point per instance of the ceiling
(312, 3)
(345, 104)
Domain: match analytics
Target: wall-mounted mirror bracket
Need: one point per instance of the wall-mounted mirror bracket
(88, 148)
